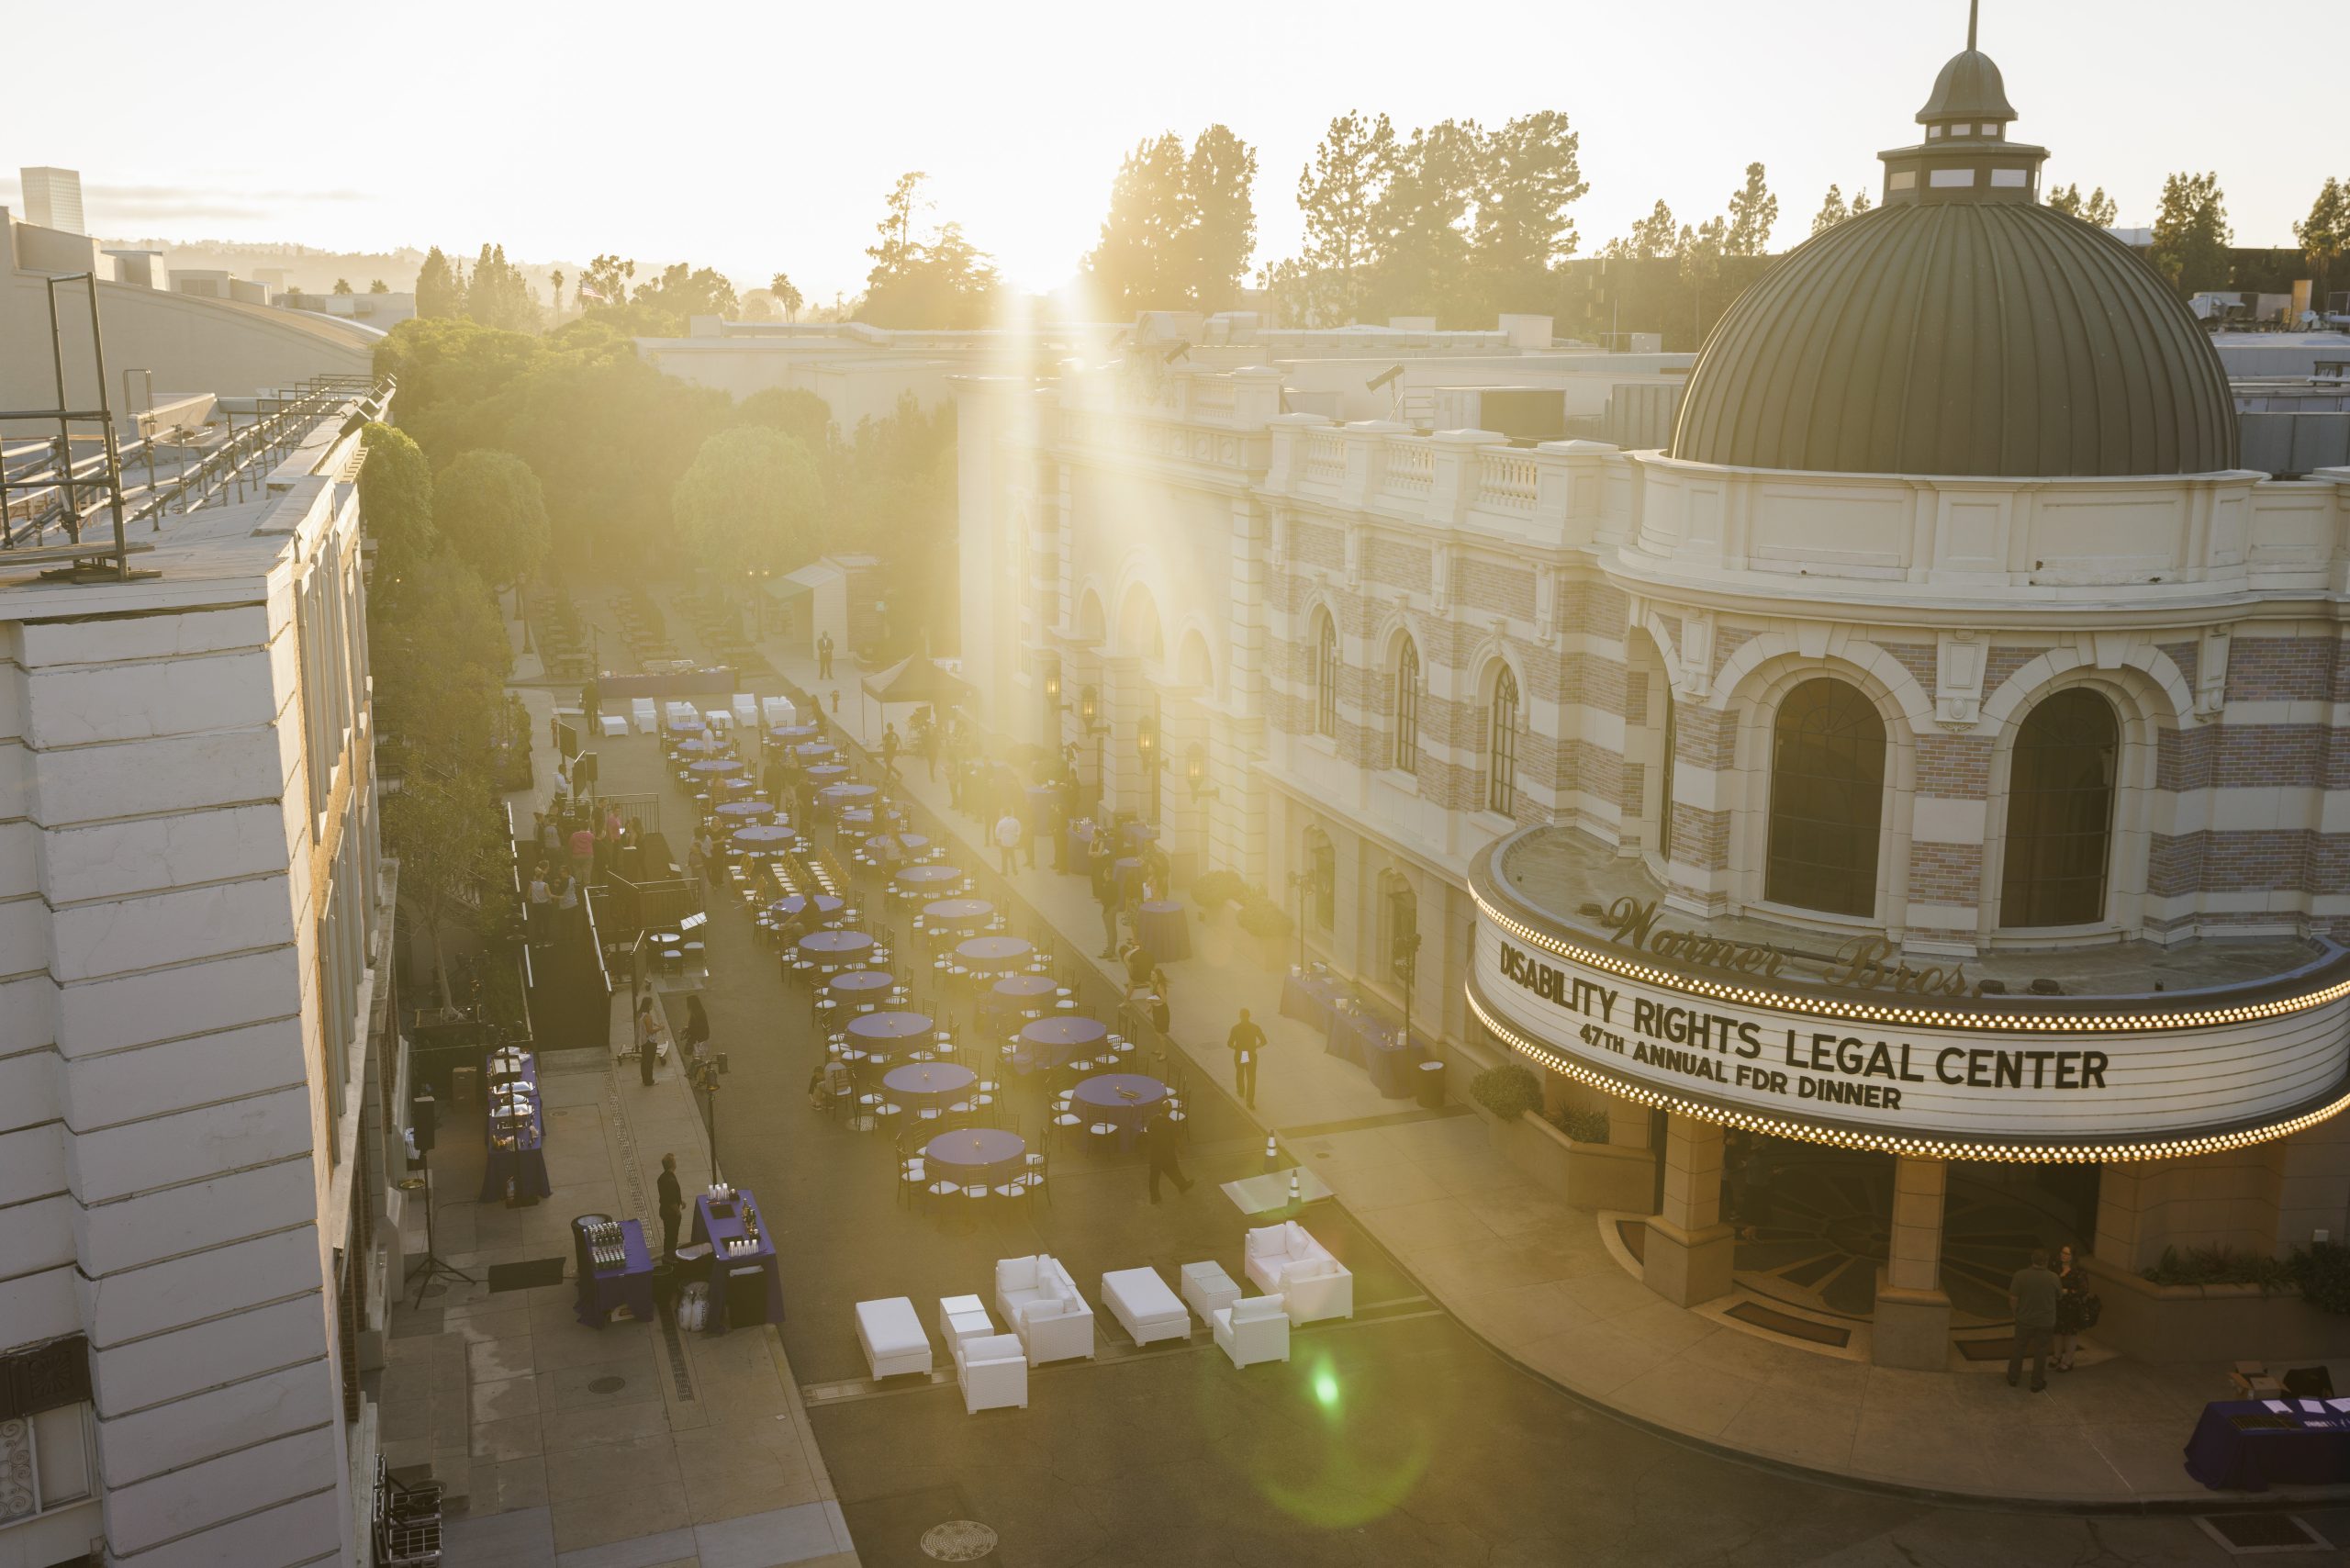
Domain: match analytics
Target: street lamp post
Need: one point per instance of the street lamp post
(1407, 969)
(1089, 714)
(1300, 882)
(705, 1078)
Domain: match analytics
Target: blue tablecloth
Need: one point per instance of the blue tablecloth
(629, 1286)
(2314, 1452)
(1106, 1098)
(881, 1036)
(991, 955)
(1309, 996)
(793, 903)
(524, 1159)
(713, 766)
(920, 1082)
(827, 945)
(1380, 1049)
(764, 838)
(716, 1228)
(1056, 1042)
(926, 879)
(860, 985)
(1014, 995)
(946, 913)
(978, 1155)
(1164, 934)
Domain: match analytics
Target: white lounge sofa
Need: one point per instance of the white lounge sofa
(1038, 1299)
(1144, 1306)
(993, 1372)
(747, 710)
(1254, 1328)
(1284, 1260)
(779, 711)
(890, 1331)
(641, 707)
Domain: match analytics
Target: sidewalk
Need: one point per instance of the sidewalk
(1550, 1288)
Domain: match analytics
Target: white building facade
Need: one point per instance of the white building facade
(197, 1229)
(1944, 676)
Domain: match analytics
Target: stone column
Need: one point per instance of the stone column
(1912, 1323)
(1689, 1251)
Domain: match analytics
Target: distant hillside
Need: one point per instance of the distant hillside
(315, 271)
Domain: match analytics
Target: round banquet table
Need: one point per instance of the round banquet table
(1056, 1042)
(793, 903)
(762, 838)
(814, 748)
(921, 878)
(976, 1156)
(1160, 925)
(701, 746)
(1124, 1100)
(714, 767)
(793, 731)
(1015, 994)
(993, 952)
(908, 843)
(847, 794)
(883, 1035)
(744, 811)
(828, 770)
(821, 945)
(738, 784)
(860, 985)
(684, 726)
(929, 1080)
(957, 911)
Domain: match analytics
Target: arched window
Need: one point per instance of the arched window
(1408, 709)
(2060, 812)
(1325, 674)
(1827, 795)
(1501, 746)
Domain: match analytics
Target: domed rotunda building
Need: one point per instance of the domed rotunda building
(1918, 786)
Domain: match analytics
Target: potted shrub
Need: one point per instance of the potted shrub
(1269, 924)
(1216, 893)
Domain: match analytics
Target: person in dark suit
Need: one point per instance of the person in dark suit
(673, 1205)
(1159, 1140)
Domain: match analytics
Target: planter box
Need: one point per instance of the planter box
(1587, 1175)
(2211, 1323)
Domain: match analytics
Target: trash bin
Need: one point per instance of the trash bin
(664, 1286)
(1431, 1084)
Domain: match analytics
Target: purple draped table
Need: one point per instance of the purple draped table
(719, 1230)
(1164, 935)
(1049, 1042)
(883, 1035)
(1123, 1099)
(922, 1082)
(977, 1156)
(790, 904)
(860, 987)
(992, 955)
(1309, 997)
(947, 914)
(744, 811)
(925, 881)
(835, 947)
(713, 768)
(2306, 1448)
(1015, 995)
(629, 1285)
(761, 838)
(523, 1154)
(1379, 1047)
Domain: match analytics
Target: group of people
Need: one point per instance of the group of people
(2054, 1305)
(653, 1034)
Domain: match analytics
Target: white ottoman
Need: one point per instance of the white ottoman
(891, 1334)
(1208, 1289)
(962, 1317)
(1143, 1304)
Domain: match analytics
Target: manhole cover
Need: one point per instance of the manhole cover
(958, 1540)
(607, 1385)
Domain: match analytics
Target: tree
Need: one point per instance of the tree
(1338, 193)
(787, 297)
(1533, 175)
(342, 285)
(557, 280)
(438, 293)
(1701, 250)
(895, 250)
(1654, 236)
(682, 292)
(2096, 208)
(1753, 210)
(1421, 226)
(442, 831)
(1142, 261)
(1218, 186)
(490, 509)
(605, 283)
(2324, 234)
(377, 285)
(1832, 212)
(396, 503)
(943, 281)
(499, 296)
(750, 503)
(2192, 233)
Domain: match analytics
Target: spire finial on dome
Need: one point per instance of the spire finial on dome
(1974, 7)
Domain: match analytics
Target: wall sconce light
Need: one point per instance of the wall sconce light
(1053, 683)
(1195, 772)
(1089, 706)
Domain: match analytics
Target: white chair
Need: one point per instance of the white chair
(779, 711)
(890, 1331)
(612, 725)
(1144, 1306)
(641, 708)
(1038, 1299)
(747, 710)
(678, 714)
(1254, 1328)
(1287, 1261)
(994, 1372)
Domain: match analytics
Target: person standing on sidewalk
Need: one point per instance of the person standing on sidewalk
(2032, 1294)
(825, 656)
(1007, 842)
(1247, 1043)
(1106, 890)
(648, 1037)
(1159, 1140)
(890, 748)
(673, 1207)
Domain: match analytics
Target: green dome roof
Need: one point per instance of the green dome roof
(1969, 88)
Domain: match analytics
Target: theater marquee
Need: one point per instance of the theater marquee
(1932, 1076)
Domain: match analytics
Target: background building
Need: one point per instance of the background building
(53, 199)
(1940, 627)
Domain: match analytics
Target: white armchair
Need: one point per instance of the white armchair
(1038, 1299)
(747, 710)
(994, 1372)
(641, 708)
(1254, 1328)
(779, 711)
(1285, 1260)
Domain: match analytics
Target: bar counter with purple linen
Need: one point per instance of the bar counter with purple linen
(1308, 997)
(2249, 1445)
(516, 1145)
(630, 1285)
(1379, 1047)
(1160, 925)
(719, 1222)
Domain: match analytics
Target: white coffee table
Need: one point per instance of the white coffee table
(962, 1317)
(1208, 1289)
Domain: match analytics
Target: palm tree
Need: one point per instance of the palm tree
(785, 296)
(559, 294)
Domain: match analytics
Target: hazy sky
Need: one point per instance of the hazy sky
(759, 136)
